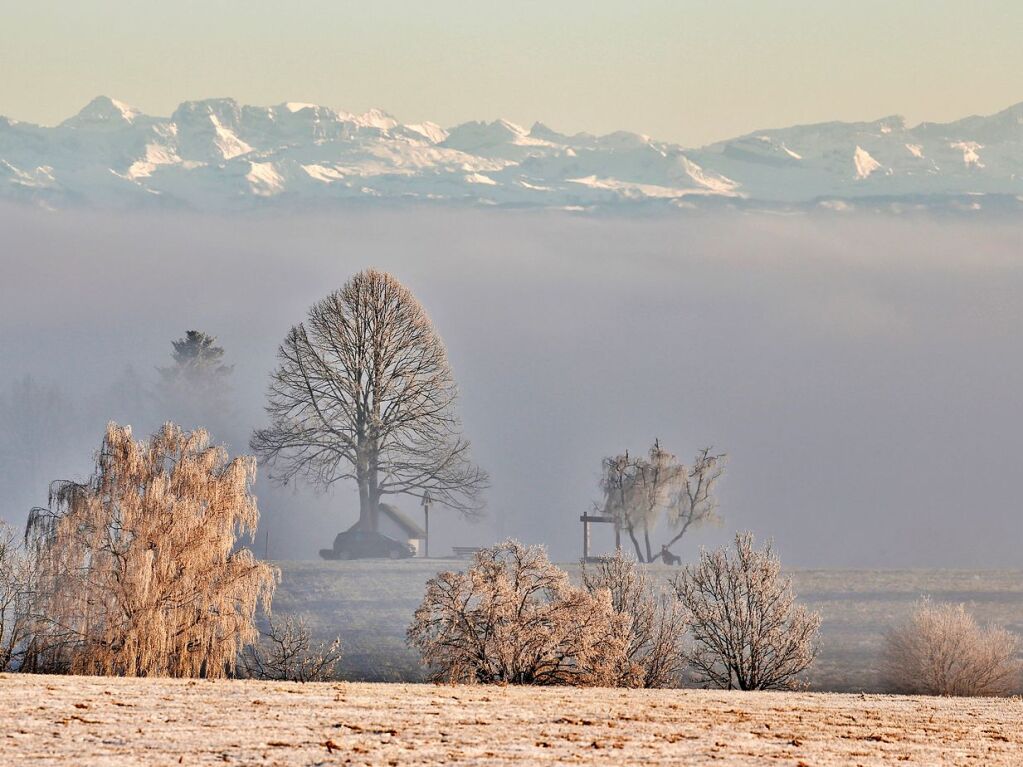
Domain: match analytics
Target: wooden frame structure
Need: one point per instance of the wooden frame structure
(589, 519)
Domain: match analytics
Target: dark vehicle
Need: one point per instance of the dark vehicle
(360, 544)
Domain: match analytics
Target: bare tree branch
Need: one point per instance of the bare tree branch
(639, 492)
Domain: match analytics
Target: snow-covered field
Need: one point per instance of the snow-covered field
(90, 721)
(370, 603)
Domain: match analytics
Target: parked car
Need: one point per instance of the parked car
(361, 544)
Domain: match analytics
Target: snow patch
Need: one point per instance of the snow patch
(39, 178)
(227, 142)
(969, 150)
(430, 131)
(634, 190)
(865, 164)
(264, 179)
(323, 173)
(712, 183)
(156, 155)
(375, 118)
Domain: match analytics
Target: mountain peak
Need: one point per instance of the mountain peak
(104, 110)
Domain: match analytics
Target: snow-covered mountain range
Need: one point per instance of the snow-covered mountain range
(219, 154)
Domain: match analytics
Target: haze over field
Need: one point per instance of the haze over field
(862, 372)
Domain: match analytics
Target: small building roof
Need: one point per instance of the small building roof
(402, 520)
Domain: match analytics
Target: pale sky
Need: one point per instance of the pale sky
(690, 71)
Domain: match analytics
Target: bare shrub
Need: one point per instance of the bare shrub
(287, 653)
(514, 617)
(941, 650)
(137, 571)
(15, 585)
(655, 625)
(747, 631)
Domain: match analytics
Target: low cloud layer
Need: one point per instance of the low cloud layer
(861, 372)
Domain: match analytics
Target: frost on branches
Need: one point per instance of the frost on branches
(655, 624)
(746, 628)
(364, 392)
(137, 571)
(638, 492)
(941, 650)
(514, 617)
(287, 653)
(15, 585)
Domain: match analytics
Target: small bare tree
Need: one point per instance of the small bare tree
(940, 650)
(514, 617)
(15, 591)
(137, 570)
(639, 492)
(288, 654)
(655, 625)
(363, 391)
(747, 631)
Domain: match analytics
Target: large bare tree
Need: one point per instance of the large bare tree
(363, 391)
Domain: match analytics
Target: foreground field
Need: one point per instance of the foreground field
(370, 603)
(91, 721)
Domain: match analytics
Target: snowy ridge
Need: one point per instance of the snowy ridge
(219, 154)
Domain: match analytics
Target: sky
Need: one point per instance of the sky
(688, 71)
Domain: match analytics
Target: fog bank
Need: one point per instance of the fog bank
(863, 373)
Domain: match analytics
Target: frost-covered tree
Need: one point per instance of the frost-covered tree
(941, 650)
(640, 492)
(654, 622)
(287, 653)
(15, 590)
(363, 392)
(137, 571)
(514, 617)
(747, 630)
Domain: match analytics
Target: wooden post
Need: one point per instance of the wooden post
(426, 513)
(587, 519)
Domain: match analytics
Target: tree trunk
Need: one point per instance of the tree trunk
(367, 515)
(374, 485)
(635, 542)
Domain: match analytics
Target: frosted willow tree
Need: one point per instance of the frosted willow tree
(638, 492)
(363, 392)
(136, 571)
